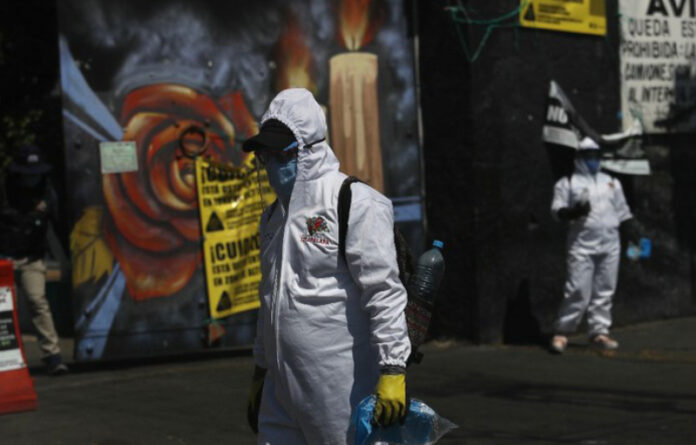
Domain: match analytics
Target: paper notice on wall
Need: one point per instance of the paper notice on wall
(10, 354)
(118, 157)
(231, 200)
(658, 64)
(582, 16)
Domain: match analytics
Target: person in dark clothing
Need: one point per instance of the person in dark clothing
(28, 204)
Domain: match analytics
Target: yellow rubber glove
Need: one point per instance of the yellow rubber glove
(254, 401)
(391, 399)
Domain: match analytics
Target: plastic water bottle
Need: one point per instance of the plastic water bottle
(422, 289)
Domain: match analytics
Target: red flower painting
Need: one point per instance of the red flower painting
(154, 229)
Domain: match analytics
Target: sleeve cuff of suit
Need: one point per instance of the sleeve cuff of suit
(389, 363)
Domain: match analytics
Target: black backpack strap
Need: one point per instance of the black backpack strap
(404, 257)
(273, 207)
(345, 197)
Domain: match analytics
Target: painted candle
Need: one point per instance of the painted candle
(354, 110)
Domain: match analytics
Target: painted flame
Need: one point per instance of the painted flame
(357, 24)
(293, 60)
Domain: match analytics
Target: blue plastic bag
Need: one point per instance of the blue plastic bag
(422, 425)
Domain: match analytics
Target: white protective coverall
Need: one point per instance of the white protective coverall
(594, 248)
(324, 327)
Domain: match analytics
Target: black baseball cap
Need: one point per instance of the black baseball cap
(273, 134)
(29, 160)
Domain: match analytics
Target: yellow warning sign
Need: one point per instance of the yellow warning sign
(582, 16)
(231, 200)
(230, 197)
(232, 272)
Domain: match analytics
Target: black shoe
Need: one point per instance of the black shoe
(54, 365)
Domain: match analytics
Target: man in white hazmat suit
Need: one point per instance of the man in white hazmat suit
(330, 331)
(594, 205)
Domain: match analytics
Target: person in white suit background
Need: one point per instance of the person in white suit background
(594, 205)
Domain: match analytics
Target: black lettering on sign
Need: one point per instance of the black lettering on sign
(229, 250)
(230, 279)
(688, 29)
(650, 71)
(215, 173)
(677, 6)
(7, 332)
(653, 49)
(657, 94)
(221, 268)
(239, 264)
(648, 28)
(690, 50)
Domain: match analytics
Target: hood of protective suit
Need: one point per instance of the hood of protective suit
(587, 144)
(300, 112)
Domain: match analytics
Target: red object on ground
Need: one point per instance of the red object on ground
(16, 386)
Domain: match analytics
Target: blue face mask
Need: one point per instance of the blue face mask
(281, 176)
(592, 165)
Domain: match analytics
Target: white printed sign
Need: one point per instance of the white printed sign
(10, 354)
(6, 303)
(118, 157)
(658, 64)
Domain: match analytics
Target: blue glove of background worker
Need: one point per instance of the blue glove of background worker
(391, 396)
(254, 402)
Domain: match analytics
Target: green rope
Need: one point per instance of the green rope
(494, 21)
(460, 16)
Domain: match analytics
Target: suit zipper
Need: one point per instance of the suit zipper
(276, 288)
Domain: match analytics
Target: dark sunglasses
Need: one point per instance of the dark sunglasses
(284, 154)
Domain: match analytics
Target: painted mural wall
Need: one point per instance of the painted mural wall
(146, 72)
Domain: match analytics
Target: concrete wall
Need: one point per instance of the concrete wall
(489, 178)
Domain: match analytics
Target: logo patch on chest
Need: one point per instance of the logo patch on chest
(316, 229)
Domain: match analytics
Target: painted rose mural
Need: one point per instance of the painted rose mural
(185, 78)
(155, 230)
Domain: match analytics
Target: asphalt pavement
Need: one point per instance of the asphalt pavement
(644, 393)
